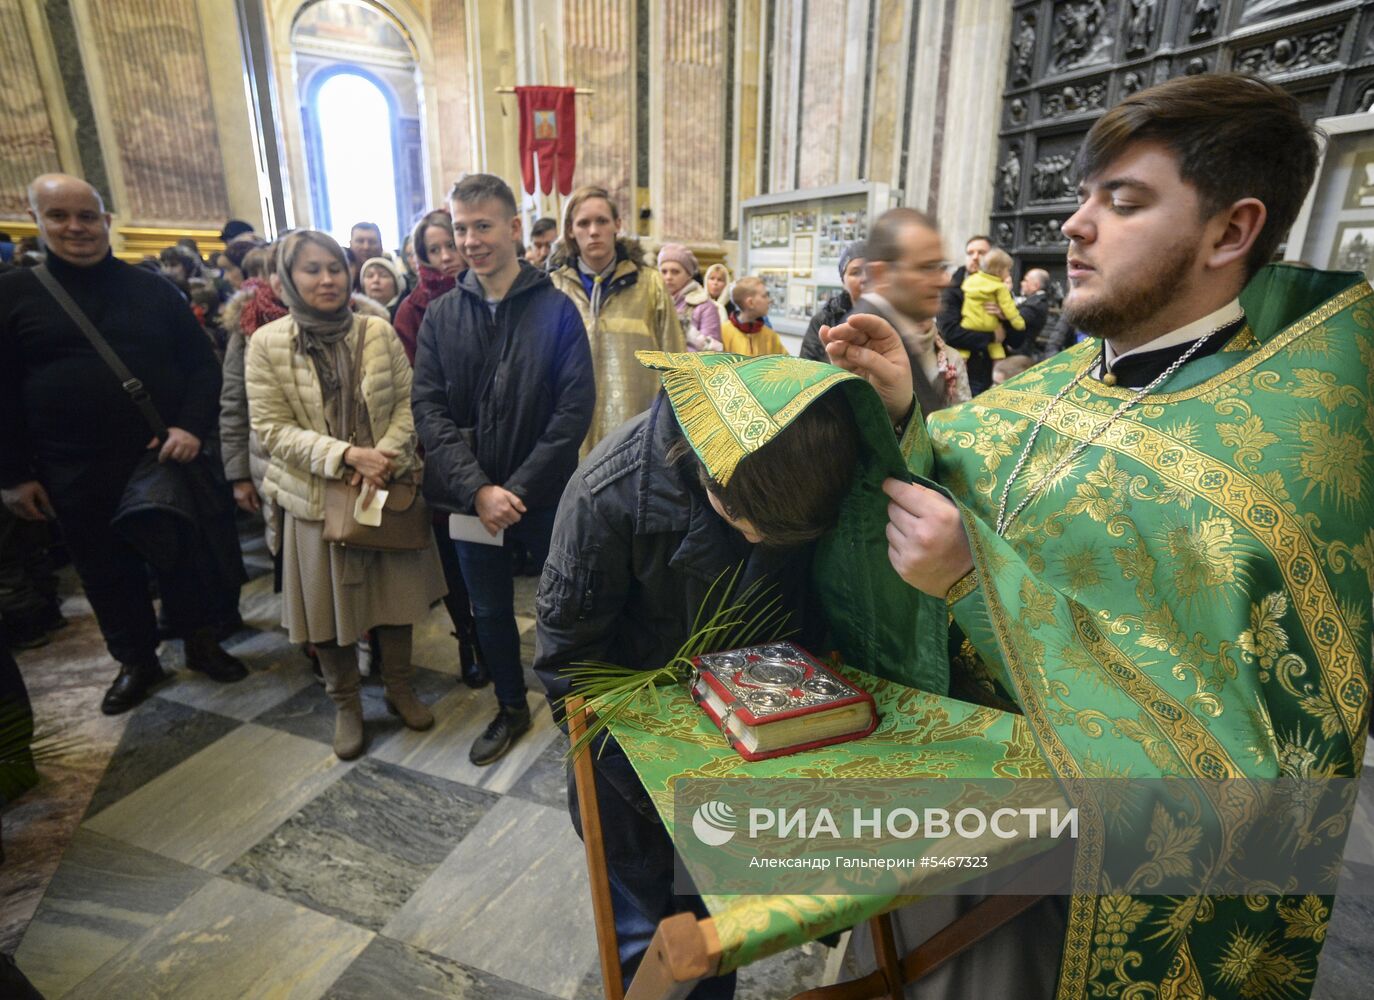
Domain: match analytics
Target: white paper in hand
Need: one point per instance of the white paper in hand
(372, 516)
(468, 528)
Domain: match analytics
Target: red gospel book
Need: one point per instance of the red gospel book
(778, 699)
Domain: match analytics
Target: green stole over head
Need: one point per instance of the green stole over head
(729, 406)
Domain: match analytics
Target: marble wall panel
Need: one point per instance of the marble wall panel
(750, 30)
(89, 157)
(823, 95)
(889, 101)
(152, 59)
(599, 43)
(29, 147)
(695, 172)
(783, 66)
(454, 141)
(962, 197)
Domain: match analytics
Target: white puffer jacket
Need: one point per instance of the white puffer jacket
(286, 409)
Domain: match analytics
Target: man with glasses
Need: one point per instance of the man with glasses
(907, 272)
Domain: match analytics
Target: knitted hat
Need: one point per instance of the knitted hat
(858, 249)
(680, 254)
(387, 263)
(392, 268)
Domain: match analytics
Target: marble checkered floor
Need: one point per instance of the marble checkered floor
(208, 845)
(225, 852)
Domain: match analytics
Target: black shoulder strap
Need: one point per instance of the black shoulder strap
(128, 382)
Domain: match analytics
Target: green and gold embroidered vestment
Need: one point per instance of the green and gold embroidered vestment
(1189, 597)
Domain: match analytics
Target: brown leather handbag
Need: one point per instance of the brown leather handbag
(406, 521)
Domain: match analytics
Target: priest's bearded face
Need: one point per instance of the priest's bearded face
(1134, 245)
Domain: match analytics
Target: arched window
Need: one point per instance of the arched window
(354, 154)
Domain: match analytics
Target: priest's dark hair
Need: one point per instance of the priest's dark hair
(790, 490)
(477, 188)
(1235, 136)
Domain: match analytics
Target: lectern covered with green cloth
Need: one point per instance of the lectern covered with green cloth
(727, 407)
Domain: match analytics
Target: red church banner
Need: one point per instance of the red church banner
(548, 131)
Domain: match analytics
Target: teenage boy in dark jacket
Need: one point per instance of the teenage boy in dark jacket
(640, 541)
(503, 396)
(694, 491)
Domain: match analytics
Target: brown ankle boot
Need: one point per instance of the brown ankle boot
(341, 679)
(397, 674)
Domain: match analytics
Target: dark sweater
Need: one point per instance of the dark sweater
(64, 418)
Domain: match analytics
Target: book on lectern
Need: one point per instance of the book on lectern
(778, 699)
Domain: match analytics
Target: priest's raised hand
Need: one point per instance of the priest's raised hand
(868, 345)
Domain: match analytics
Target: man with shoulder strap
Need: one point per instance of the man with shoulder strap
(72, 431)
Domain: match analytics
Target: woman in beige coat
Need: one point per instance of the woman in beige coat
(299, 372)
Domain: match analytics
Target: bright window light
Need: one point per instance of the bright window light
(355, 138)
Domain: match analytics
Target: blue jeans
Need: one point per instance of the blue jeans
(490, 576)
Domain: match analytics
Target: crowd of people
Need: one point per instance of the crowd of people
(505, 383)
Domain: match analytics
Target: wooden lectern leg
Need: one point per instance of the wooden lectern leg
(947, 943)
(683, 952)
(584, 776)
(964, 933)
(885, 951)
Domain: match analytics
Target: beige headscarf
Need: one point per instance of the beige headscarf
(321, 334)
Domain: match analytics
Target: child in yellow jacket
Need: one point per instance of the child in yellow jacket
(745, 332)
(987, 287)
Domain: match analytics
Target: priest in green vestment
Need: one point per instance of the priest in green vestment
(1161, 542)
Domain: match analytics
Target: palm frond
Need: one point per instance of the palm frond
(755, 616)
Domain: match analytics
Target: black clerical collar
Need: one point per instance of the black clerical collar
(1135, 370)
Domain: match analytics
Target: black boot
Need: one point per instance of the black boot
(473, 667)
(133, 684)
(509, 725)
(204, 654)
